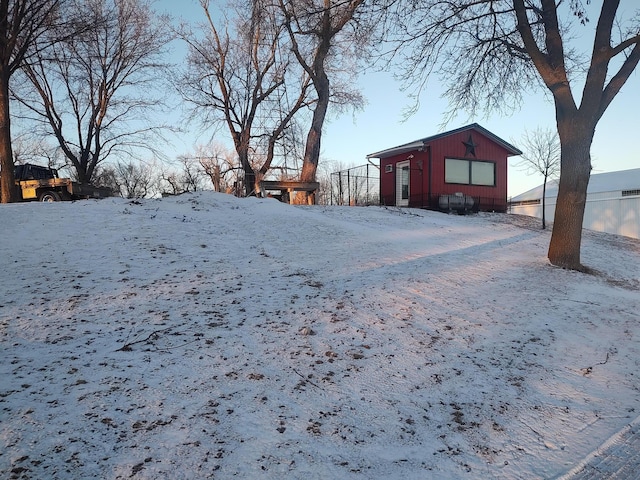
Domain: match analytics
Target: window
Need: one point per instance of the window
(630, 193)
(405, 183)
(456, 171)
(483, 173)
(469, 172)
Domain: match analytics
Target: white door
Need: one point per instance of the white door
(402, 184)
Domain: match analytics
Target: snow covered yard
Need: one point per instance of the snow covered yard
(205, 336)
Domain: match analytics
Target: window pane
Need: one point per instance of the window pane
(483, 173)
(456, 171)
(405, 183)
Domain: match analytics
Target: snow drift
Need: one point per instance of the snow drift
(205, 336)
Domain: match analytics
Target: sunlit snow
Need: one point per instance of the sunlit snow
(205, 336)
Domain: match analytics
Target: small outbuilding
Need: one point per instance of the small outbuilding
(613, 203)
(462, 169)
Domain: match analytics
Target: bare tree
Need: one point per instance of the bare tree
(314, 28)
(22, 24)
(326, 177)
(134, 180)
(237, 77)
(94, 91)
(211, 167)
(219, 165)
(541, 155)
(491, 51)
(192, 175)
(29, 148)
(171, 180)
(189, 176)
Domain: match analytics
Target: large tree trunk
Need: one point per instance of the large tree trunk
(241, 142)
(249, 174)
(7, 181)
(314, 137)
(82, 174)
(575, 169)
(250, 182)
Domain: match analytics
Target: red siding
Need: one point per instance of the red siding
(423, 194)
(417, 173)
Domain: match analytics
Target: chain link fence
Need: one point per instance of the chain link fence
(356, 186)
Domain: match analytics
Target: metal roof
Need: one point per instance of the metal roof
(598, 183)
(421, 143)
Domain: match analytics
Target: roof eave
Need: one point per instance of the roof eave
(390, 152)
(422, 143)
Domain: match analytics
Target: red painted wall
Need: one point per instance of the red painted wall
(451, 146)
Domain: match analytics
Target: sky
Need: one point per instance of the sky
(209, 336)
(348, 139)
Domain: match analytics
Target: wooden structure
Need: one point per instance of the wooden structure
(469, 163)
(286, 190)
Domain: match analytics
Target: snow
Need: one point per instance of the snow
(205, 336)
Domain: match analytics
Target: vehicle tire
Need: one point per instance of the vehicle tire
(49, 196)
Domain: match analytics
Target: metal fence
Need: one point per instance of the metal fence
(356, 186)
(435, 202)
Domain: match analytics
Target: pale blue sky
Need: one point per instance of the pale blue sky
(349, 138)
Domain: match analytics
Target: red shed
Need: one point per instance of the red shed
(467, 165)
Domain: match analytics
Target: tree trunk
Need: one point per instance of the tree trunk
(249, 174)
(544, 203)
(314, 137)
(82, 174)
(575, 169)
(241, 142)
(8, 191)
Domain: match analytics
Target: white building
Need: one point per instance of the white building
(613, 203)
